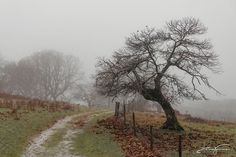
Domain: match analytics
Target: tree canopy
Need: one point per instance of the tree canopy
(163, 65)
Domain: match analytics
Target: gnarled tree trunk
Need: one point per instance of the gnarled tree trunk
(171, 120)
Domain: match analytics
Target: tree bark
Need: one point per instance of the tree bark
(171, 119)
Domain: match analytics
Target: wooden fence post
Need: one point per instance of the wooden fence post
(134, 127)
(124, 114)
(151, 137)
(117, 109)
(180, 145)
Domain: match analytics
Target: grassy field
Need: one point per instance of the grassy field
(96, 141)
(15, 134)
(102, 135)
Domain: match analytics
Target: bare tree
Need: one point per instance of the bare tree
(7, 71)
(3, 62)
(162, 65)
(47, 75)
(87, 92)
(58, 73)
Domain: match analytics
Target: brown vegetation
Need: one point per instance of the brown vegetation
(13, 104)
(198, 132)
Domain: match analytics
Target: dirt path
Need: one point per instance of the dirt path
(36, 147)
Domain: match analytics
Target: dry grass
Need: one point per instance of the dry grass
(198, 133)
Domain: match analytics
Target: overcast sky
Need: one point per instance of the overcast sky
(92, 28)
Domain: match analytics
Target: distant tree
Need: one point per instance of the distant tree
(163, 65)
(2, 64)
(57, 73)
(88, 94)
(21, 78)
(47, 74)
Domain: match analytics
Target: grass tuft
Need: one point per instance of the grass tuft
(56, 138)
(96, 145)
(96, 142)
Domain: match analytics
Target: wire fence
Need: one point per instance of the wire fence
(152, 135)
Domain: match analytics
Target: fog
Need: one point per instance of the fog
(223, 110)
(90, 29)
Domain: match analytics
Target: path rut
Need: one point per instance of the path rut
(36, 147)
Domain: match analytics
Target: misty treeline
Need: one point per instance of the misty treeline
(47, 75)
(52, 75)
